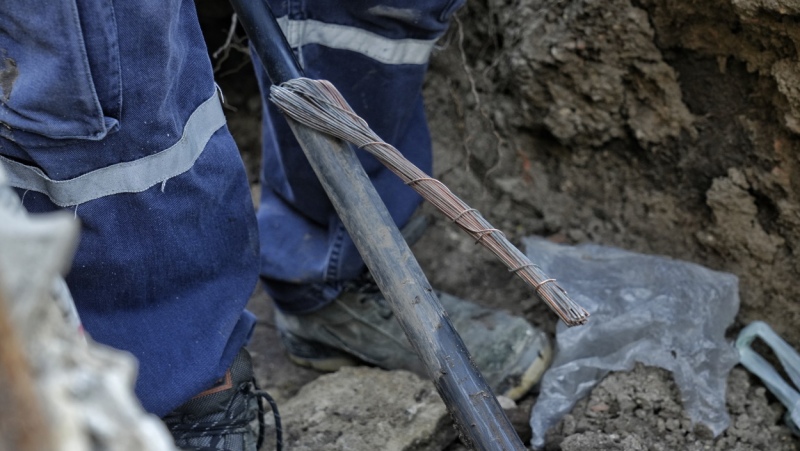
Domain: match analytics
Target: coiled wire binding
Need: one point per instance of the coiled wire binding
(319, 105)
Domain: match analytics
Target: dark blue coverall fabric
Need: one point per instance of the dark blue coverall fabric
(166, 273)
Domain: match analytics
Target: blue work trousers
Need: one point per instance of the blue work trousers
(375, 52)
(109, 109)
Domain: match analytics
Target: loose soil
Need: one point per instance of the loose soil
(660, 126)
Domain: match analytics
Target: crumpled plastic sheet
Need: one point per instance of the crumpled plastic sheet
(649, 309)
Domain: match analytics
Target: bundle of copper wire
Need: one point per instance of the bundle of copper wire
(319, 105)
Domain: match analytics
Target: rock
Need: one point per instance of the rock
(361, 408)
(737, 230)
(594, 441)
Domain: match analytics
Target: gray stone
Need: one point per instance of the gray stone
(361, 408)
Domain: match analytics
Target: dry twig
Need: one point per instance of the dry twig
(232, 42)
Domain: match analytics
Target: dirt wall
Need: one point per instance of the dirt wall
(662, 126)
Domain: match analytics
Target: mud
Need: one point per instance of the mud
(660, 126)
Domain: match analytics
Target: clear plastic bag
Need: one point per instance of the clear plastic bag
(649, 309)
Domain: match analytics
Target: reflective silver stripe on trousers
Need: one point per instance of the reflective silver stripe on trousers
(375, 46)
(129, 177)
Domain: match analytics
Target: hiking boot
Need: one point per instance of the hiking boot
(224, 416)
(359, 326)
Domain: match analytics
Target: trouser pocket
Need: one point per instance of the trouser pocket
(59, 71)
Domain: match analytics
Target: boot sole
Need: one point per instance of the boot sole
(324, 358)
(314, 355)
(532, 375)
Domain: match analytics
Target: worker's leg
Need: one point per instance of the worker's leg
(115, 118)
(376, 54)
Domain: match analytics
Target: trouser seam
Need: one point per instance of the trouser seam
(296, 10)
(334, 259)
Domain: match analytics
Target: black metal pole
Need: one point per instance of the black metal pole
(267, 38)
(480, 419)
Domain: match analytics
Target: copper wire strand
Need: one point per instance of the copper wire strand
(421, 179)
(467, 211)
(486, 232)
(544, 282)
(317, 104)
(520, 267)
